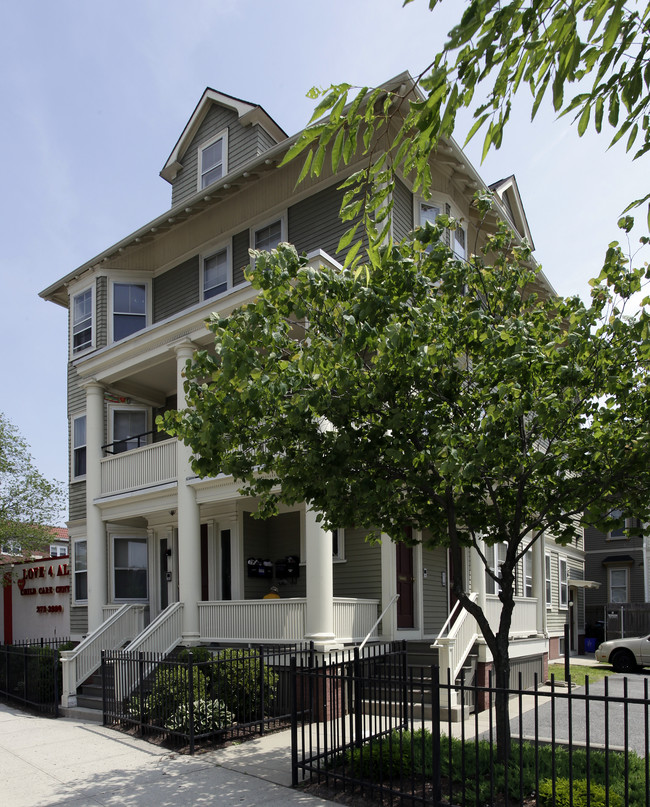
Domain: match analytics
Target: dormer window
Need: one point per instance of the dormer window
(212, 160)
(456, 239)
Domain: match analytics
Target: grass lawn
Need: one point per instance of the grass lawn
(579, 672)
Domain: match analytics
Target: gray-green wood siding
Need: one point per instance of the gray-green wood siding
(402, 211)
(271, 540)
(435, 595)
(240, 257)
(77, 500)
(360, 575)
(176, 289)
(314, 223)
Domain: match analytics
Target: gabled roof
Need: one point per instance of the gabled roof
(508, 192)
(248, 114)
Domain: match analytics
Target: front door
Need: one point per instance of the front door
(164, 568)
(405, 580)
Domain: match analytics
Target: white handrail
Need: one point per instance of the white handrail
(163, 634)
(381, 616)
(86, 657)
(454, 648)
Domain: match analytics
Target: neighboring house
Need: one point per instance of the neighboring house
(185, 553)
(619, 561)
(35, 594)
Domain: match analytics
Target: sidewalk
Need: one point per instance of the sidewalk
(71, 763)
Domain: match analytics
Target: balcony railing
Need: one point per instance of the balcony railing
(280, 620)
(524, 615)
(139, 468)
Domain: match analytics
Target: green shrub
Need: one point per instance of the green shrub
(199, 655)
(171, 689)
(564, 792)
(208, 716)
(236, 681)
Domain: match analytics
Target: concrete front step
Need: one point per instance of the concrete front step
(82, 713)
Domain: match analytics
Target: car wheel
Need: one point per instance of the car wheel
(623, 661)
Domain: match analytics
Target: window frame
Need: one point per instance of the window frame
(131, 281)
(626, 572)
(211, 253)
(527, 573)
(113, 409)
(57, 551)
(447, 208)
(338, 545)
(129, 536)
(223, 136)
(85, 348)
(563, 583)
(74, 477)
(254, 229)
(75, 571)
(548, 580)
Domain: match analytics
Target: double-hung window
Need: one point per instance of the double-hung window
(129, 309)
(268, 236)
(129, 429)
(82, 320)
(212, 160)
(456, 239)
(215, 273)
(495, 556)
(528, 573)
(129, 568)
(618, 585)
(80, 571)
(79, 446)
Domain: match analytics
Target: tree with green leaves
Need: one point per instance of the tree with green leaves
(591, 57)
(29, 503)
(412, 388)
(456, 397)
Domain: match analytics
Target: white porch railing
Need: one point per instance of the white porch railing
(163, 634)
(456, 639)
(124, 625)
(524, 615)
(139, 468)
(354, 619)
(280, 620)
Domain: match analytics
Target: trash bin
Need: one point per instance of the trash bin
(590, 645)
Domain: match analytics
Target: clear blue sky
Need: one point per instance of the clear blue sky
(94, 96)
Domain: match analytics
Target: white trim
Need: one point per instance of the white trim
(223, 136)
(93, 318)
(548, 580)
(626, 570)
(562, 583)
(129, 280)
(74, 418)
(442, 201)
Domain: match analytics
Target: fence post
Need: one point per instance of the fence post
(141, 691)
(358, 717)
(104, 698)
(55, 654)
(567, 662)
(25, 672)
(262, 693)
(435, 735)
(190, 665)
(293, 673)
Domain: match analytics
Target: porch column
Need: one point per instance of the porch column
(539, 582)
(320, 584)
(388, 587)
(189, 526)
(95, 530)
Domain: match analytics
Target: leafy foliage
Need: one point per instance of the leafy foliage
(28, 501)
(591, 57)
(565, 794)
(477, 776)
(208, 715)
(238, 680)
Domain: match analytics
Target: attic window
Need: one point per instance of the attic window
(212, 160)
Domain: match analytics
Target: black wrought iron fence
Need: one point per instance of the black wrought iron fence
(30, 674)
(200, 695)
(370, 726)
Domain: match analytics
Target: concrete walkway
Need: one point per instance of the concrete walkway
(77, 764)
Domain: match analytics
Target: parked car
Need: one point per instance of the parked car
(625, 655)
